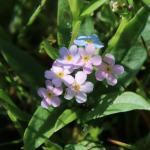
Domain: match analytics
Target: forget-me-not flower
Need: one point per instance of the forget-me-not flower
(84, 40)
(108, 70)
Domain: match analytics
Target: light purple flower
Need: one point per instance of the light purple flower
(68, 58)
(108, 70)
(58, 75)
(88, 58)
(50, 95)
(79, 88)
(84, 40)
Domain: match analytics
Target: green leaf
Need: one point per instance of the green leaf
(146, 32)
(113, 104)
(132, 62)
(52, 52)
(66, 117)
(75, 31)
(10, 105)
(92, 7)
(127, 34)
(108, 17)
(90, 145)
(36, 12)
(87, 26)
(75, 8)
(147, 2)
(130, 2)
(75, 147)
(52, 146)
(44, 124)
(64, 23)
(23, 64)
(16, 123)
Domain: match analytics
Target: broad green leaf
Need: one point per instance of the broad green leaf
(52, 146)
(92, 146)
(23, 64)
(92, 7)
(75, 147)
(127, 34)
(66, 117)
(132, 62)
(8, 104)
(36, 12)
(147, 2)
(44, 124)
(146, 32)
(84, 145)
(113, 104)
(64, 23)
(52, 52)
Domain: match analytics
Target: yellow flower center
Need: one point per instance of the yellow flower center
(69, 57)
(86, 58)
(76, 87)
(89, 41)
(108, 69)
(49, 95)
(60, 74)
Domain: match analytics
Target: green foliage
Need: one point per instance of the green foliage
(52, 146)
(63, 23)
(133, 62)
(84, 145)
(127, 34)
(44, 124)
(36, 12)
(92, 7)
(23, 64)
(27, 25)
(11, 107)
(75, 147)
(75, 8)
(87, 26)
(147, 2)
(112, 104)
(51, 52)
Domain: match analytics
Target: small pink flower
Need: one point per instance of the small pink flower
(69, 58)
(108, 70)
(79, 88)
(50, 95)
(88, 58)
(59, 75)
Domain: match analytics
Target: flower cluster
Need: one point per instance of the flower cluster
(69, 72)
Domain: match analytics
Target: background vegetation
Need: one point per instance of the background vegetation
(31, 32)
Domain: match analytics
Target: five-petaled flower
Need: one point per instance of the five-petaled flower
(108, 70)
(84, 40)
(69, 58)
(50, 95)
(59, 75)
(88, 58)
(79, 88)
